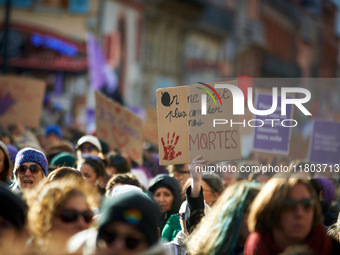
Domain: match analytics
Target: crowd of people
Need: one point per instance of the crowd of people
(62, 192)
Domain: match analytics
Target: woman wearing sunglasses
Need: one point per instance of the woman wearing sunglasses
(60, 210)
(29, 169)
(88, 144)
(128, 225)
(286, 214)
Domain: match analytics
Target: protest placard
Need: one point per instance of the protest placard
(270, 136)
(119, 127)
(185, 132)
(325, 142)
(150, 130)
(21, 100)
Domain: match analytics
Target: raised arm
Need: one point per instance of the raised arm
(194, 195)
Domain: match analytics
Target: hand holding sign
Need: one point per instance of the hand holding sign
(169, 148)
(196, 173)
(196, 167)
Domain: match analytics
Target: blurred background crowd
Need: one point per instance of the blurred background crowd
(140, 46)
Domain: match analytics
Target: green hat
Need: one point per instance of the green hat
(63, 159)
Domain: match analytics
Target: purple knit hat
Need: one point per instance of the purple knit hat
(31, 155)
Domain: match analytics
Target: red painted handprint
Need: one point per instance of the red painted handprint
(169, 148)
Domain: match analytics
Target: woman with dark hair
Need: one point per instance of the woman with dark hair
(93, 169)
(167, 193)
(121, 179)
(117, 164)
(4, 164)
(286, 213)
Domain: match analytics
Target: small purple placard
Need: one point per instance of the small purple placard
(272, 137)
(325, 143)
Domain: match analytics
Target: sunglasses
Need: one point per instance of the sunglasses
(89, 148)
(69, 215)
(307, 204)
(34, 169)
(131, 243)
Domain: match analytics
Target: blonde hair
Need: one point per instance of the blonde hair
(46, 200)
(269, 203)
(334, 229)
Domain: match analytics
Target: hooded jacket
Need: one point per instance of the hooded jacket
(164, 180)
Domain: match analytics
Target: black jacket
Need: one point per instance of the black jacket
(194, 210)
(164, 180)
